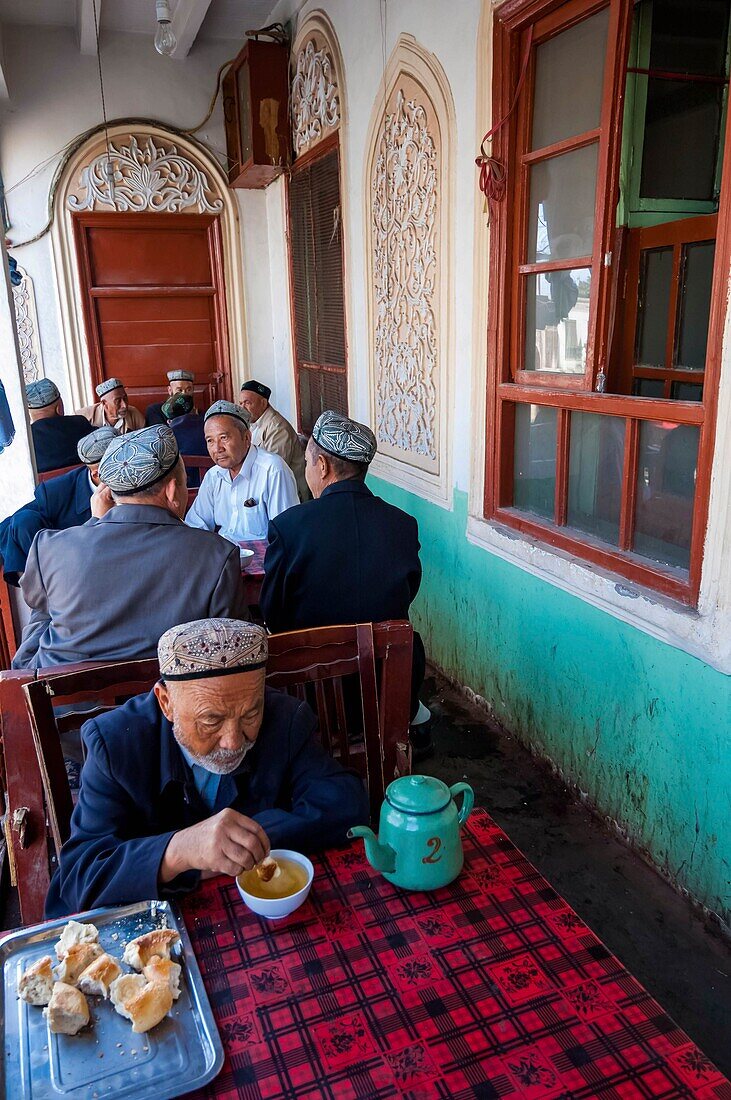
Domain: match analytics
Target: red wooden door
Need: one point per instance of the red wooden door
(153, 295)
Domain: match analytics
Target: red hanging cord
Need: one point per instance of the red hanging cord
(493, 173)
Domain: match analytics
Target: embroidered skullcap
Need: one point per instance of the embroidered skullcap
(257, 387)
(177, 405)
(211, 647)
(344, 438)
(227, 408)
(41, 394)
(93, 446)
(139, 459)
(180, 376)
(108, 385)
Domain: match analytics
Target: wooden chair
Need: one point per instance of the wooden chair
(200, 463)
(57, 473)
(314, 664)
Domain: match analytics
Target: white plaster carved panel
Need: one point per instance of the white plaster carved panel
(315, 99)
(149, 174)
(26, 320)
(405, 233)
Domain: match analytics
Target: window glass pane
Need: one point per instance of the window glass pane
(652, 314)
(569, 75)
(648, 387)
(684, 117)
(596, 457)
(666, 473)
(557, 320)
(695, 304)
(534, 470)
(686, 391)
(562, 195)
(689, 36)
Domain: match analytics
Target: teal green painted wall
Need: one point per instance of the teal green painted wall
(642, 727)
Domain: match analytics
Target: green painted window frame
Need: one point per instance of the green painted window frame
(633, 210)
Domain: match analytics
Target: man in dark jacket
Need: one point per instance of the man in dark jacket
(189, 428)
(179, 381)
(59, 503)
(200, 777)
(55, 436)
(347, 556)
(109, 589)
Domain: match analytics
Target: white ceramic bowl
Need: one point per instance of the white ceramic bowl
(276, 908)
(245, 555)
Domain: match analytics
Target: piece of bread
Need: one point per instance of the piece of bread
(75, 933)
(99, 975)
(268, 868)
(144, 1003)
(166, 971)
(138, 952)
(76, 960)
(36, 984)
(67, 1010)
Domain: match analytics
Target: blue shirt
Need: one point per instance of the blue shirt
(216, 791)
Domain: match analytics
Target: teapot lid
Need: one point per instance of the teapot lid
(418, 794)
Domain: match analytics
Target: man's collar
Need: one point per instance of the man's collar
(140, 513)
(245, 472)
(350, 485)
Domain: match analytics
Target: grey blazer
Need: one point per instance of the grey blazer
(107, 590)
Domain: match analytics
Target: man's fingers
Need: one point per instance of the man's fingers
(245, 831)
(238, 856)
(249, 842)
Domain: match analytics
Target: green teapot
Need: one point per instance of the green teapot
(418, 846)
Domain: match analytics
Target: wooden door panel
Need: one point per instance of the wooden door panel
(154, 301)
(151, 308)
(129, 333)
(149, 257)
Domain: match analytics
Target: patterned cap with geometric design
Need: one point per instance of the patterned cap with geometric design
(344, 438)
(211, 647)
(92, 447)
(178, 405)
(180, 376)
(108, 385)
(41, 394)
(139, 459)
(227, 408)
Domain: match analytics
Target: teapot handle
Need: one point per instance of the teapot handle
(468, 800)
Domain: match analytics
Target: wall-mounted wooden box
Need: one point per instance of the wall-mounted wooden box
(256, 111)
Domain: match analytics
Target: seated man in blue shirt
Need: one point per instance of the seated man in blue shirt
(199, 777)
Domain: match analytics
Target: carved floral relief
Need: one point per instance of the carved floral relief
(315, 102)
(405, 235)
(149, 174)
(26, 320)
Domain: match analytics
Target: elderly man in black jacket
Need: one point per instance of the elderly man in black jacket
(347, 556)
(200, 777)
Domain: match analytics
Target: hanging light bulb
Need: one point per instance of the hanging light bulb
(165, 40)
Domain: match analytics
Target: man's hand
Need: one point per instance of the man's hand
(101, 501)
(225, 844)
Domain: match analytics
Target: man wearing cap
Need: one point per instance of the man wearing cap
(109, 589)
(54, 435)
(59, 503)
(188, 425)
(347, 556)
(113, 408)
(201, 776)
(179, 381)
(271, 431)
(247, 487)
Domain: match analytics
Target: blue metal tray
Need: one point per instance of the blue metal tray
(106, 1059)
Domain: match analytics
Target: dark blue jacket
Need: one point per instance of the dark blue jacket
(191, 439)
(137, 790)
(153, 413)
(59, 503)
(55, 439)
(348, 557)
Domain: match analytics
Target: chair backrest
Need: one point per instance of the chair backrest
(57, 473)
(198, 462)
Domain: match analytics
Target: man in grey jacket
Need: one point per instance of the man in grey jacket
(109, 589)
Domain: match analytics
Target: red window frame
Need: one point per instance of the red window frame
(507, 384)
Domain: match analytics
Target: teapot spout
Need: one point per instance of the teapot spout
(380, 856)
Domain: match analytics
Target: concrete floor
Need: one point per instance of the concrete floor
(685, 965)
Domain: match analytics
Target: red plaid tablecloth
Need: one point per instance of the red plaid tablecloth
(490, 988)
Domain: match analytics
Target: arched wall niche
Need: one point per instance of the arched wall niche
(408, 185)
(156, 170)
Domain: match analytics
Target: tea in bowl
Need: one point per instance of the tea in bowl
(284, 892)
